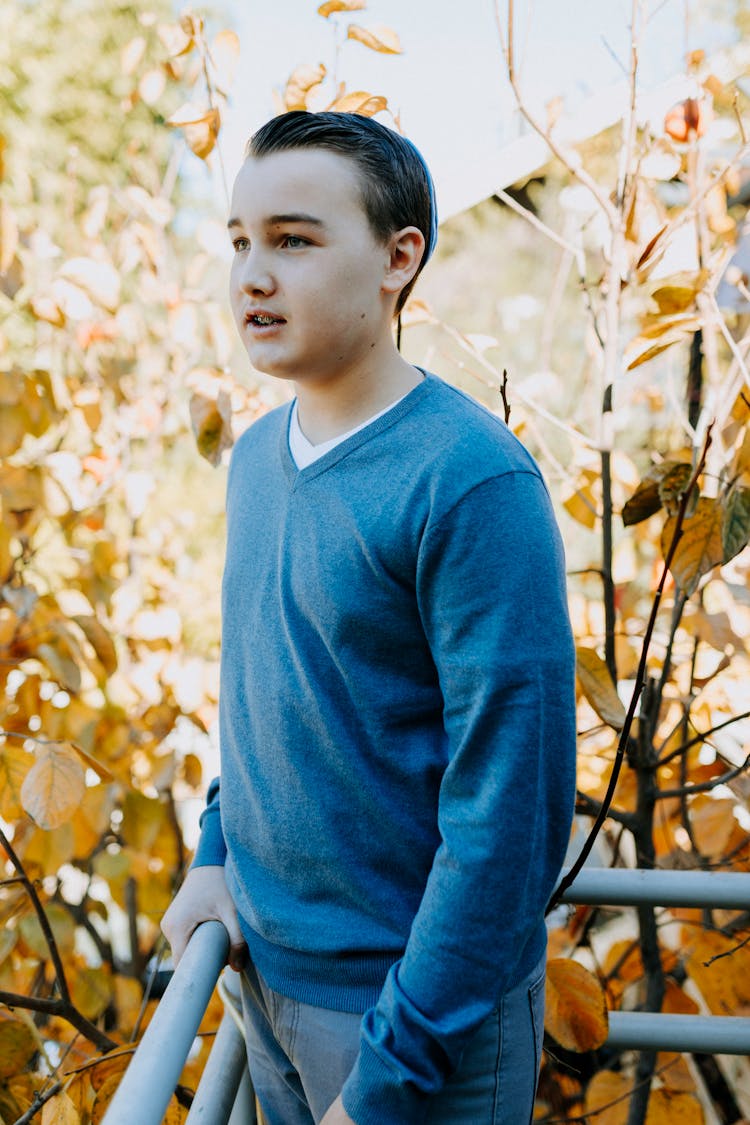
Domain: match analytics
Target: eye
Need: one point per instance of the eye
(240, 244)
(293, 241)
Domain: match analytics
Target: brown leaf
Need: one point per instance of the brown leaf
(576, 1010)
(341, 6)
(650, 248)
(596, 684)
(701, 546)
(647, 500)
(376, 37)
(17, 1045)
(212, 424)
(54, 786)
(735, 530)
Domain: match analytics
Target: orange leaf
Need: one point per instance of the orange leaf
(607, 1098)
(54, 786)
(667, 1106)
(341, 6)
(701, 546)
(376, 37)
(713, 822)
(299, 84)
(596, 684)
(60, 1110)
(576, 1011)
(359, 101)
(724, 983)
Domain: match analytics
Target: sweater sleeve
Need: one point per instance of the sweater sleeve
(211, 850)
(491, 591)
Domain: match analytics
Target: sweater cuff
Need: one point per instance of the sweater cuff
(211, 850)
(374, 1092)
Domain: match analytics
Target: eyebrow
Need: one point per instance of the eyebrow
(278, 220)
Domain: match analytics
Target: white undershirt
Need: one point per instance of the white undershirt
(304, 452)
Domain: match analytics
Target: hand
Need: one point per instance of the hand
(336, 1114)
(201, 898)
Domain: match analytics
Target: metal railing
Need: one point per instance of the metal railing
(225, 1095)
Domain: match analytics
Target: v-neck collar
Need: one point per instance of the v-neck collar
(297, 477)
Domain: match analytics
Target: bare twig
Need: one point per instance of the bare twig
(705, 786)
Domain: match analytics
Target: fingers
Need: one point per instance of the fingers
(238, 956)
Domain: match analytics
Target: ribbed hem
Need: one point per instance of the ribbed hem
(374, 1093)
(340, 982)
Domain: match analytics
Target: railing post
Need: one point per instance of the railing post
(148, 1083)
(220, 1086)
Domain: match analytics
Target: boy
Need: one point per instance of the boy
(397, 705)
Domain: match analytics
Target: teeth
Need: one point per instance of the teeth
(264, 319)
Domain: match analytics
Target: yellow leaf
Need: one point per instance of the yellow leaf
(189, 114)
(131, 54)
(15, 763)
(712, 821)
(580, 502)
(8, 237)
(99, 280)
(575, 1007)
(655, 349)
(376, 37)
(720, 967)
(225, 53)
(47, 309)
(62, 925)
(610, 1090)
(17, 1044)
(701, 546)
(175, 39)
(54, 786)
(359, 101)
(91, 989)
(341, 6)
(104, 1096)
(299, 84)
(100, 640)
(201, 137)
(674, 298)
(596, 684)
(60, 1111)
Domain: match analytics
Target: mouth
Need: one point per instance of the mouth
(262, 319)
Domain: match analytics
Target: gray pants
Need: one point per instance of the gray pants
(300, 1056)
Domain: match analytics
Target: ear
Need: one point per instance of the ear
(405, 252)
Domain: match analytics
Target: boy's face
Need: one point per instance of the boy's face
(307, 271)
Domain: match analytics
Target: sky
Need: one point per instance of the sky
(449, 85)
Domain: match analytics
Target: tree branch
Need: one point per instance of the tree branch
(704, 786)
(640, 681)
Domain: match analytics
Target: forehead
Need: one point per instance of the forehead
(305, 180)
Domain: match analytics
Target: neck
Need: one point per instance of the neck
(329, 407)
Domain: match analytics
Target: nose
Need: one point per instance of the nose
(255, 274)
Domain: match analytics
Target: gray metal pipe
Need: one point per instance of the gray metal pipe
(620, 886)
(709, 1035)
(149, 1081)
(243, 1112)
(222, 1074)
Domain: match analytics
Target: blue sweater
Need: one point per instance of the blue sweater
(397, 729)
